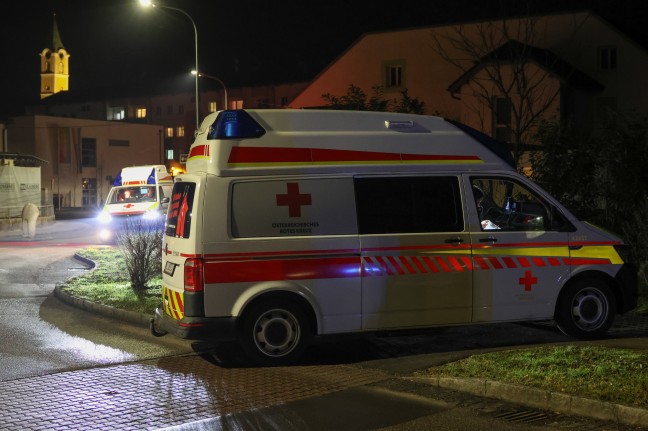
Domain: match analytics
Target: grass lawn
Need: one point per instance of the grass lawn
(109, 284)
(606, 374)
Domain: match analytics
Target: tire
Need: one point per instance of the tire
(586, 309)
(274, 333)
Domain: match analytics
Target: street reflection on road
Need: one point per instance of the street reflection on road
(83, 349)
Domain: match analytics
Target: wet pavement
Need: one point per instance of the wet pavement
(206, 391)
(162, 393)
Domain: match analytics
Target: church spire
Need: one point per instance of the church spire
(56, 36)
(54, 71)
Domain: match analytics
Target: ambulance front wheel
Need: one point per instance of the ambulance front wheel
(274, 332)
(586, 309)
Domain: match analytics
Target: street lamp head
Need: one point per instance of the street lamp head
(149, 3)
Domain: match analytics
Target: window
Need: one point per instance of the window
(169, 154)
(89, 192)
(213, 107)
(507, 205)
(394, 74)
(181, 109)
(284, 101)
(236, 104)
(140, 113)
(408, 205)
(88, 152)
(116, 114)
(180, 131)
(607, 58)
(169, 109)
(178, 222)
(119, 143)
(502, 119)
(169, 132)
(158, 111)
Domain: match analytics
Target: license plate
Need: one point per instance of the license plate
(169, 268)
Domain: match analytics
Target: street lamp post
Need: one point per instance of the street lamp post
(204, 75)
(149, 3)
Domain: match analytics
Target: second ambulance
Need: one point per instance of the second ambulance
(294, 224)
(138, 192)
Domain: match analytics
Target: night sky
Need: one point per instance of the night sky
(117, 44)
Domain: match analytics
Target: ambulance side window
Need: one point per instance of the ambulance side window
(178, 222)
(408, 205)
(504, 204)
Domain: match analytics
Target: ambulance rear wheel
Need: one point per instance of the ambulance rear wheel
(274, 332)
(586, 309)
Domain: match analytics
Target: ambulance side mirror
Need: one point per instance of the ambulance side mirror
(164, 204)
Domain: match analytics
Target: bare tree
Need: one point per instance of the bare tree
(500, 63)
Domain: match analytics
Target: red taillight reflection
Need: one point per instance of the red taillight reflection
(193, 275)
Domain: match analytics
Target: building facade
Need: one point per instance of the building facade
(500, 77)
(175, 113)
(83, 156)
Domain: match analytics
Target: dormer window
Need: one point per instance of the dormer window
(607, 58)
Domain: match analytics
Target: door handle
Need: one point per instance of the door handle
(453, 241)
(489, 239)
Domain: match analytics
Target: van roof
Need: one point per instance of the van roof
(278, 141)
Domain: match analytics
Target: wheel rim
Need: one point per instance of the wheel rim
(590, 309)
(276, 332)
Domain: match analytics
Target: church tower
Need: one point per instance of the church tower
(55, 72)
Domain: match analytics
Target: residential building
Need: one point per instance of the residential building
(499, 77)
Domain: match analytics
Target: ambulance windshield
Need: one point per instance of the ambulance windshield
(132, 194)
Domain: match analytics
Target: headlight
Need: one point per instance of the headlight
(105, 235)
(104, 217)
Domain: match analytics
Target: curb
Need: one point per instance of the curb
(542, 399)
(103, 310)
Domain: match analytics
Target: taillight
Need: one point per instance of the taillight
(193, 279)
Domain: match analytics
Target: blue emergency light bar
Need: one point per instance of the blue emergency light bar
(235, 124)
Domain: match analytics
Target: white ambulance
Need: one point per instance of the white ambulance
(138, 191)
(292, 224)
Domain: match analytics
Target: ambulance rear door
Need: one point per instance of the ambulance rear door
(415, 251)
(520, 249)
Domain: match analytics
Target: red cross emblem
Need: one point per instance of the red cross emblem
(528, 281)
(293, 200)
(128, 205)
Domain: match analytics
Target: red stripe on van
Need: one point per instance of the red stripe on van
(285, 269)
(587, 261)
(199, 150)
(322, 155)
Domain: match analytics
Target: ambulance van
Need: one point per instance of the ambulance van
(138, 191)
(295, 224)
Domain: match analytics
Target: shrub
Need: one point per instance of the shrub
(140, 241)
